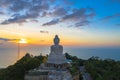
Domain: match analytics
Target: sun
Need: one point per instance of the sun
(22, 40)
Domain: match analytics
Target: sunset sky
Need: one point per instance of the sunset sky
(77, 22)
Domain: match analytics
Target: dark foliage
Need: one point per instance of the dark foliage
(103, 69)
(18, 70)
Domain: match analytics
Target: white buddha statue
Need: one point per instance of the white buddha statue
(56, 48)
(56, 55)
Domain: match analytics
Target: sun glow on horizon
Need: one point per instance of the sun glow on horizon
(23, 41)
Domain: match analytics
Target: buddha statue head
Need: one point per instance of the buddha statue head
(56, 40)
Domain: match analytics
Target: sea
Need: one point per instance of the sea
(8, 56)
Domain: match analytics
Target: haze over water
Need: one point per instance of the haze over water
(9, 56)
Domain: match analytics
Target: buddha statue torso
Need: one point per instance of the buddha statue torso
(56, 49)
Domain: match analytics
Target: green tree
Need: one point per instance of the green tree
(18, 70)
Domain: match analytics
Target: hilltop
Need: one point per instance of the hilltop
(98, 69)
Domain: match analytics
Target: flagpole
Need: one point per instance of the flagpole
(18, 51)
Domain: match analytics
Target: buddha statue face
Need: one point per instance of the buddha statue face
(56, 40)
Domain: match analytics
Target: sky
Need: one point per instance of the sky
(77, 22)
